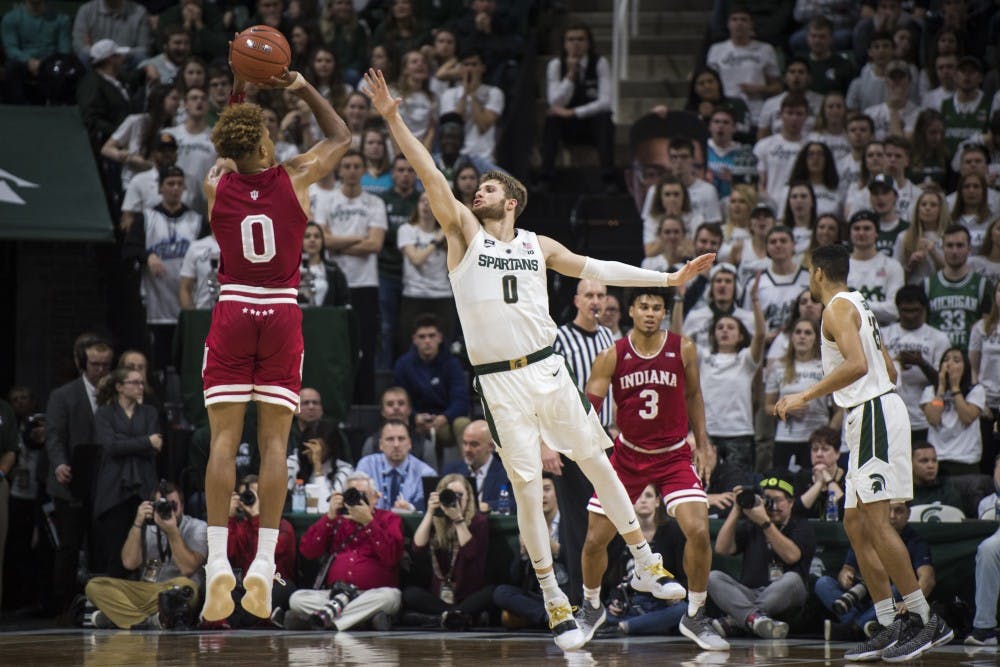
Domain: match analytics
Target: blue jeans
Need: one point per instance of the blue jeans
(987, 582)
(828, 590)
(390, 291)
(516, 600)
(655, 619)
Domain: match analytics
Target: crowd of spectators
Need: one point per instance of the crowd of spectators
(869, 124)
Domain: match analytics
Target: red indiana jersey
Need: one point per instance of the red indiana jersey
(649, 393)
(259, 224)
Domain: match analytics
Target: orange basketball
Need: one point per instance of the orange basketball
(258, 53)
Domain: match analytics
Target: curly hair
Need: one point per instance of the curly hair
(239, 131)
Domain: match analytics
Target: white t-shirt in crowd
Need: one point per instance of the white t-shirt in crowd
(878, 279)
(699, 320)
(726, 381)
(129, 134)
(480, 144)
(985, 267)
(775, 158)
(989, 364)
(770, 111)
(355, 217)
(143, 192)
(777, 295)
(752, 63)
(848, 168)
(880, 116)
(195, 155)
(952, 440)
(197, 264)
(320, 200)
(931, 343)
(837, 143)
(419, 111)
(430, 279)
(797, 429)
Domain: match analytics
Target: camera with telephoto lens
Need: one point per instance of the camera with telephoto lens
(340, 596)
(352, 498)
(175, 607)
(851, 598)
(748, 498)
(448, 498)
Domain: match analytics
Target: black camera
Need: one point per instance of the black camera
(352, 498)
(163, 506)
(748, 498)
(448, 498)
(175, 607)
(851, 598)
(248, 497)
(34, 421)
(341, 595)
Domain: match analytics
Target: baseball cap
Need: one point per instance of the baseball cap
(780, 480)
(723, 266)
(970, 60)
(882, 180)
(897, 66)
(105, 48)
(762, 208)
(863, 214)
(170, 171)
(451, 117)
(164, 140)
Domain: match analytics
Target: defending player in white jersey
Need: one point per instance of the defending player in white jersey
(861, 377)
(498, 277)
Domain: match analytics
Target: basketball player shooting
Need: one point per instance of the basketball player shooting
(258, 212)
(498, 277)
(861, 377)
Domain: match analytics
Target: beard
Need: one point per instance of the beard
(492, 212)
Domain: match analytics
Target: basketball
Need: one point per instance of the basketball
(258, 53)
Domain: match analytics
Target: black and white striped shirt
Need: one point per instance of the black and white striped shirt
(580, 348)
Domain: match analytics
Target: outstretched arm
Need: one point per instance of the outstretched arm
(447, 210)
(319, 160)
(559, 258)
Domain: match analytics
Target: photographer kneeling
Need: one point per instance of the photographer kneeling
(777, 551)
(847, 596)
(458, 535)
(244, 523)
(171, 549)
(359, 577)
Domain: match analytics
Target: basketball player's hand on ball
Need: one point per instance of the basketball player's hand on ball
(378, 91)
(286, 79)
(789, 405)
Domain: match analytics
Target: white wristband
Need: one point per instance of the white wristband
(299, 82)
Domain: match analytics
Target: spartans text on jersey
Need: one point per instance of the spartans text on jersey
(508, 263)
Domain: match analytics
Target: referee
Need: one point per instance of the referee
(579, 342)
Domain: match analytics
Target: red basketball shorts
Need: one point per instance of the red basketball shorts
(254, 347)
(670, 472)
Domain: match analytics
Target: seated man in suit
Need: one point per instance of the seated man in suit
(479, 463)
(395, 473)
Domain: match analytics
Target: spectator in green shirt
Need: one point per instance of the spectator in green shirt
(31, 32)
(928, 487)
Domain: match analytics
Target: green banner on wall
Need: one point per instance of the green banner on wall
(49, 184)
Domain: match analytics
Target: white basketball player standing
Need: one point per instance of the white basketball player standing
(498, 276)
(861, 377)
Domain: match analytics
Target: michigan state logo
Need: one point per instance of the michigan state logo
(878, 483)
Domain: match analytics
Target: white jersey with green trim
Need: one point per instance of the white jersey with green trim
(502, 297)
(876, 381)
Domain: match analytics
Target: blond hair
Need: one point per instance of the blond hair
(444, 536)
(239, 130)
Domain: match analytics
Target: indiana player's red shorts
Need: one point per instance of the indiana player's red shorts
(254, 347)
(670, 472)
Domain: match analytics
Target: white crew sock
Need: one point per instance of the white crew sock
(696, 601)
(593, 596)
(550, 588)
(218, 542)
(917, 603)
(885, 612)
(267, 542)
(642, 553)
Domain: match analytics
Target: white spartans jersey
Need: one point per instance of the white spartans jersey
(503, 298)
(876, 381)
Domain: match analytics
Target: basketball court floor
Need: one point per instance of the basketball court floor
(104, 648)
